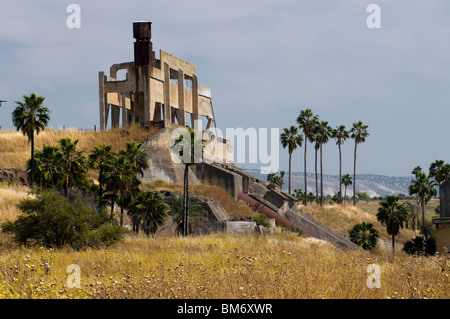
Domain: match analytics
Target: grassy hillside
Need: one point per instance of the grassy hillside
(15, 149)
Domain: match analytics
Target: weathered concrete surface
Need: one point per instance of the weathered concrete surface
(239, 227)
(286, 206)
(161, 165)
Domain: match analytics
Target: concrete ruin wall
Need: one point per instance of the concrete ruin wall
(164, 89)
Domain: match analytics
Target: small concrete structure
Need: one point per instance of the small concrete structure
(154, 90)
(442, 223)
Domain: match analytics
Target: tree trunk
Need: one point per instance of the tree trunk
(354, 176)
(32, 158)
(101, 188)
(425, 234)
(317, 182)
(393, 244)
(340, 175)
(290, 154)
(345, 192)
(306, 187)
(112, 205)
(321, 177)
(186, 200)
(121, 215)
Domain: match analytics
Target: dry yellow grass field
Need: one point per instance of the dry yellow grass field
(281, 266)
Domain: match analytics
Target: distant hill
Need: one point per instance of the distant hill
(373, 185)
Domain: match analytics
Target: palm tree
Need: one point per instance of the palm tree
(48, 169)
(193, 144)
(359, 134)
(306, 121)
(74, 162)
(29, 117)
(149, 209)
(176, 204)
(136, 156)
(412, 214)
(341, 135)
(440, 171)
(313, 138)
(416, 172)
(425, 188)
(346, 180)
(119, 179)
(364, 235)
(282, 173)
(298, 193)
(323, 135)
(97, 159)
(393, 214)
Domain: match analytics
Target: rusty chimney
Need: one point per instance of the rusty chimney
(143, 48)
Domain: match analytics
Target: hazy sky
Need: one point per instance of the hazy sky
(264, 61)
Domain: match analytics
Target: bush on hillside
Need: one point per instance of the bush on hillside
(416, 246)
(262, 220)
(53, 220)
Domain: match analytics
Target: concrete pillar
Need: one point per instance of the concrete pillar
(133, 107)
(195, 101)
(115, 116)
(101, 94)
(147, 93)
(181, 113)
(124, 111)
(167, 108)
(157, 113)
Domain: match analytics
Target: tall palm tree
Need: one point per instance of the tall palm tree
(291, 139)
(341, 135)
(393, 214)
(425, 188)
(97, 159)
(346, 181)
(306, 121)
(74, 162)
(313, 139)
(416, 172)
(150, 209)
(440, 171)
(136, 156)
(359, 134)
(323, 134)
(194, 145)
(31, 116)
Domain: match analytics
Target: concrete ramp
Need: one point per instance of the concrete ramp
(273, 201)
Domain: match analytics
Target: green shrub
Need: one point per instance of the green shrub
(364, 235)
(53, 220)
(262, 220)
(415, 246)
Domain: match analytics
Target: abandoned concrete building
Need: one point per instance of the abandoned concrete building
(164, 89)
(164, 93)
